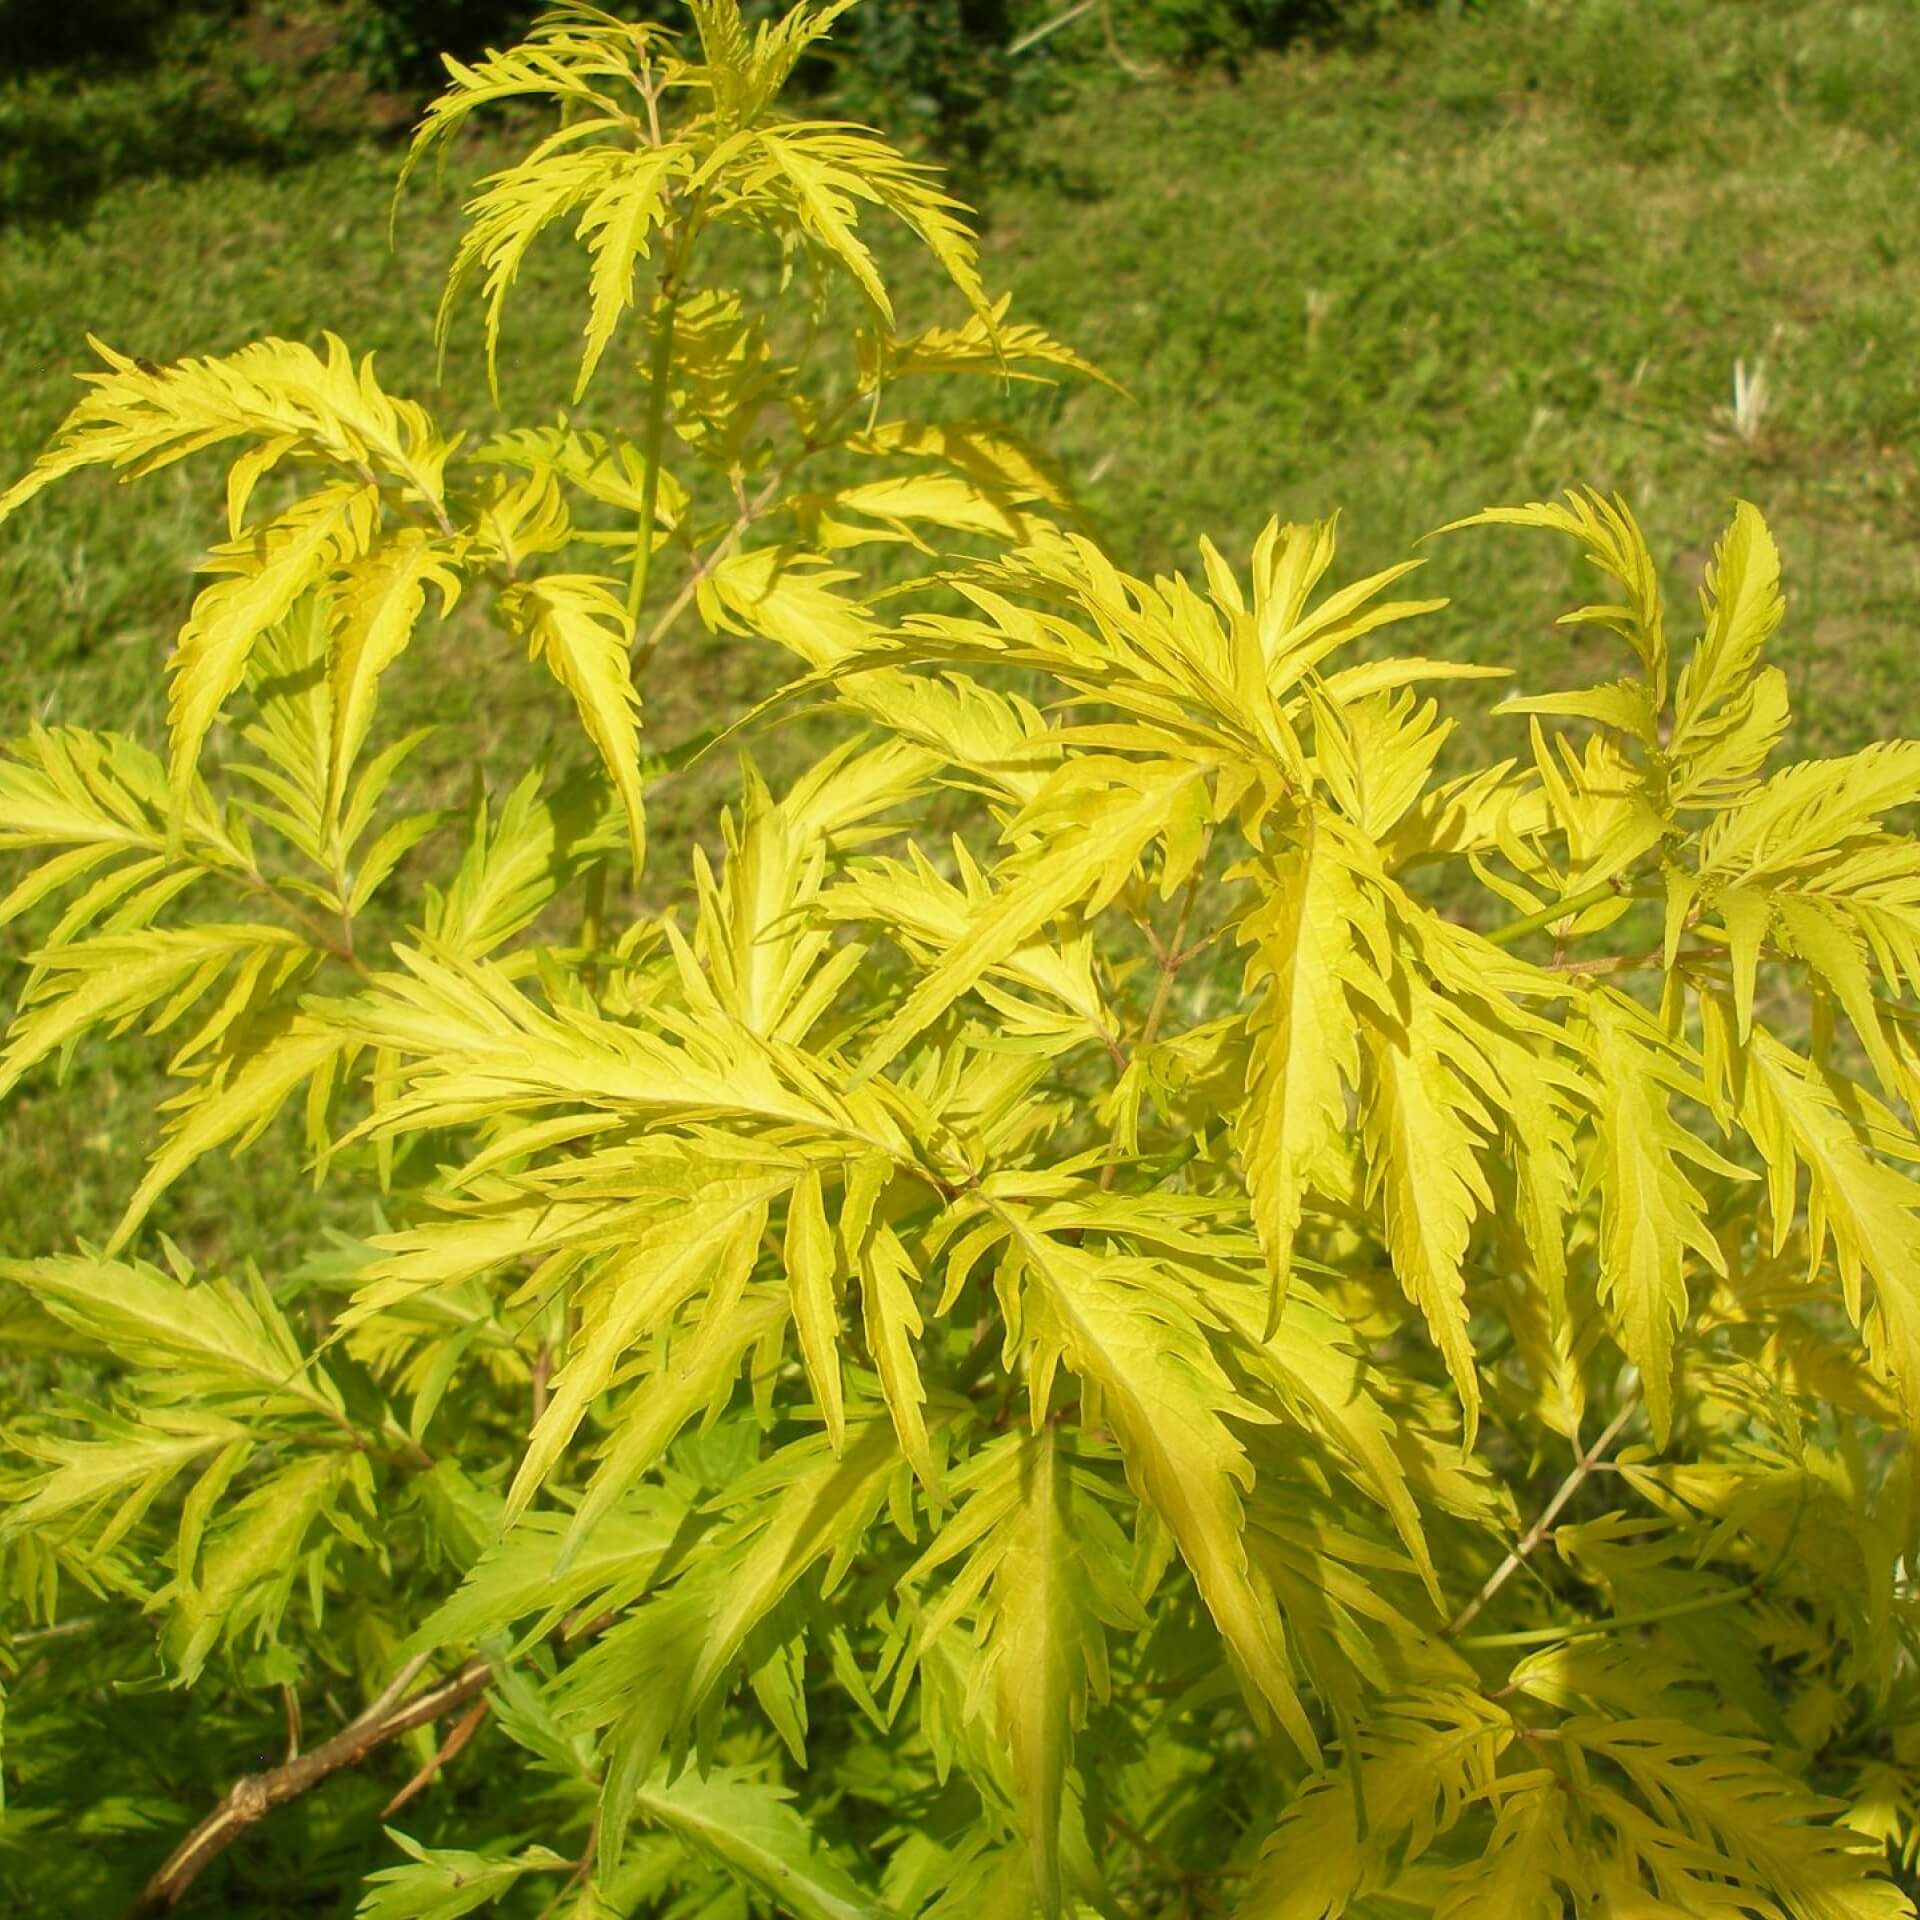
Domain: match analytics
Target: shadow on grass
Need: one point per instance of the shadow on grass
(99, 93)
(55, 166)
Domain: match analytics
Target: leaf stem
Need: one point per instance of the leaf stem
(1172, 959)
(644, 650)
(658, 368)
(750, 511)
(1571, 1485)
(1559, 910)
(1580, 1629)
(1635, 962)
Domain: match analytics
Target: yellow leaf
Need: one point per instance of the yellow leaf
(615, 224)
(1743, 603)
(1809, 810)
(1095, 860)
(1527, 1861)
(985, 343)
(893, 1319)
(1797, 1116)
(788, 597)
(1651, 1215)
(277, 391)
(579, 625)
(1425, 1128)
(1305, 1035)
(1617, 547)
(1419, 1758)
(251, 1567)
(636, 1294)
(1165, 1396)
(812, 1270)
(267, 572)
(238, 1104)
(120, 977)
(375, 605)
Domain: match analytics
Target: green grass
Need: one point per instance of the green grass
(1472, 264)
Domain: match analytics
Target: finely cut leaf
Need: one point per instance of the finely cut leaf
(376, 603)
(750, 1828)
(1652, 1215)
(267, 571)
(1305, 1037)
(580, 627)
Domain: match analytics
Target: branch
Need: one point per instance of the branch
(819, 439)
(1571, 1485)
(1559, 910)
(657, 371)
(643, 650)
(449, 1749)
(1583, 1629)
(258, 1794)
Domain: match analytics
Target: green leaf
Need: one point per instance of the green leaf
(749, 1827)
(446, 1882)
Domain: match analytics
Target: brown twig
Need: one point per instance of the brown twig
(387, 1719)
(463, 1730)
(542, 1373)
(258, 1794)
(1571, 1485)
(1186, 1879)
(581, 1868)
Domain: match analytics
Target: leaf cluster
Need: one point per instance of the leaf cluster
(870, 1390)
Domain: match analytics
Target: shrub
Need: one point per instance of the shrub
(958, 72)
(867, 1397)
(399, 42)
(103, 32)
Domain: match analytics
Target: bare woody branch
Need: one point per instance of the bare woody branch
(258, 1794)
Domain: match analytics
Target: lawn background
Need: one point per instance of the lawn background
(1473, 261)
